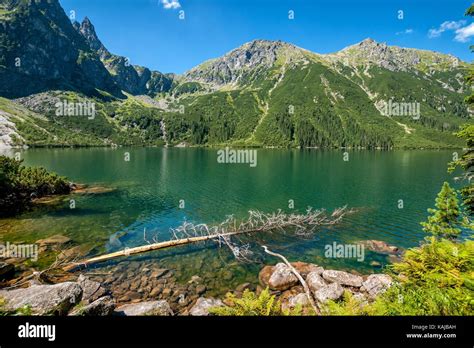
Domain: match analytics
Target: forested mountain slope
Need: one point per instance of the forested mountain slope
(263, 93)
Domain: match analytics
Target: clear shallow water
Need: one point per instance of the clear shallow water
(149, 189)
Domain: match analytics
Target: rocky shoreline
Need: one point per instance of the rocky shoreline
(147, 288)
(86, 297)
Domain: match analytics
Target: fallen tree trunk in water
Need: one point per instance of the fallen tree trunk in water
(188, 233)
(141, 249)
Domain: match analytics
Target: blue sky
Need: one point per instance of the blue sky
(150, 33)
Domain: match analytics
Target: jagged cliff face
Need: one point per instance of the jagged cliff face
(87, 30)
(132, 79)
(43, 51)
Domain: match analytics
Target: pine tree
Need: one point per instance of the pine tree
(466, 163)
(445, 221)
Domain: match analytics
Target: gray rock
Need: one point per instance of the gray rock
(158, 308)
(202, 305)
(91, 290)
(315, 281)
(101, 307)
(306, 268)
(44, 299)
(343, 278)
(282, 278)
(332, 291)
(300, 299)
(376, 284)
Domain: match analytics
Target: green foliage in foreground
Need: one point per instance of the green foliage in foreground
(22, 311)
(434, 279)
(264, 304)
(19, 184)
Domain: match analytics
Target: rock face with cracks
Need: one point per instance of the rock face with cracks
(44, 299)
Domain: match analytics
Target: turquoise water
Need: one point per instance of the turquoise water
(151, 186)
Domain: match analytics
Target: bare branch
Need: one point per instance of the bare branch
(300, 278)
(223, 233)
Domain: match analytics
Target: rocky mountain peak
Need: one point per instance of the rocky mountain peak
(87, 30)
(393, 58)
(240, 63)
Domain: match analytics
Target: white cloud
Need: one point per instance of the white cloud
(406, 31)
(464, 34)
(170, 4)
(447, 25)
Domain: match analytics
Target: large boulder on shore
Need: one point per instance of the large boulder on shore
(158, 308)
(202, 305)
(91, 290)
(101, 307)
(315, 281)
(343, 278)
(306, 268)
(282, 278)
(376, 284)
(302, 267)
(44, 299)
(332, 291)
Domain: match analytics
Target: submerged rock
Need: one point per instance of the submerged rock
(159, 308)
(89, 190)
(202, 305)
(56, 240)
(71, 253)
(379, 246)
(343, 278)
(200, 289)
(44, 299)
(157, 273)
